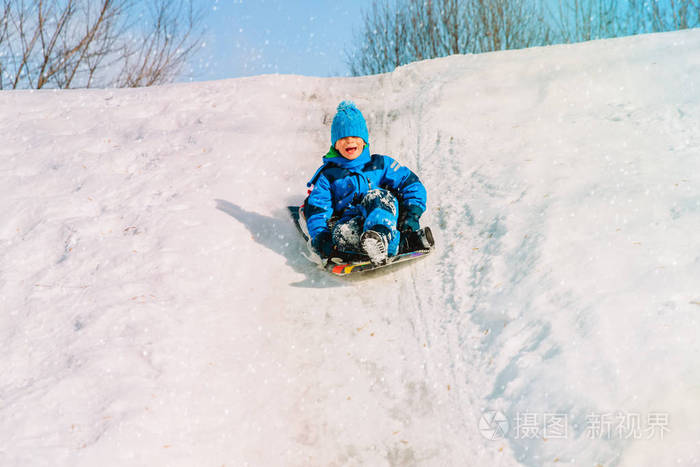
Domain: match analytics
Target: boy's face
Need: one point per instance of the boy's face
(350, 147)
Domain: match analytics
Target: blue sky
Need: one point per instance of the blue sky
(252, 37)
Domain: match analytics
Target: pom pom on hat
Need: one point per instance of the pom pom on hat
(348, 121)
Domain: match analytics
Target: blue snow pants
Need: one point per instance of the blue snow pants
(378, 210)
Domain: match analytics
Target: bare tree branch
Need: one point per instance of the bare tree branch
(82, 43)
(164, 47)
(4, 27)
(398, 32)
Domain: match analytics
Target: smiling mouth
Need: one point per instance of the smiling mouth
(351, 149)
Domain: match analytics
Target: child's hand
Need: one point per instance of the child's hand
(323, 244)
(410, 219)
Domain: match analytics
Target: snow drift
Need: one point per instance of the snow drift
(157, 310)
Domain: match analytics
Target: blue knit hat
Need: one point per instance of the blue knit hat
(348, 121)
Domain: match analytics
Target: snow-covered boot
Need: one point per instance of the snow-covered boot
(375, 246)
(421, 239)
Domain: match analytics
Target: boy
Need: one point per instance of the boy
(378, 202)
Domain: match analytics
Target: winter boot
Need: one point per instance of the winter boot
(421, 239)
(375, 246)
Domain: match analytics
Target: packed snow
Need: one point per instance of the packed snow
(157, 307)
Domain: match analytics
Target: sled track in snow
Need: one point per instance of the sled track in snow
(158, 310)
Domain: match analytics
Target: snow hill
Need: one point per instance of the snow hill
(157, 311)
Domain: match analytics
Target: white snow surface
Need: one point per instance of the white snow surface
(157, 309)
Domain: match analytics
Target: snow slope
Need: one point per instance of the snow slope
(156, 309)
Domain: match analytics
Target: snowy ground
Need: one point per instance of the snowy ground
(156, 309)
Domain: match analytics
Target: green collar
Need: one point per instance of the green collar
(332, 152)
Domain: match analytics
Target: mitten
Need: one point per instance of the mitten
(323, 244)
(409, 218)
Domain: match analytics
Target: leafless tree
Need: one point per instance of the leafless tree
(659, 16)
(509, 24)
(385, 42)
(164, 45)
(87, 43)
(438, 28)
(582, 20)
(396, 32)
(4, 23)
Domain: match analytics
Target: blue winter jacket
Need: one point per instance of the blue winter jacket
(340, 183)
